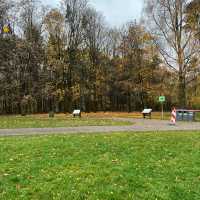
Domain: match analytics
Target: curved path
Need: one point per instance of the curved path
(139, 125)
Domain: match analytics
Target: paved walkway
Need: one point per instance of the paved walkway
(138, 126)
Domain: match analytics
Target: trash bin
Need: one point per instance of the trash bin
(191, 116)
(185, 115)
(179, 115)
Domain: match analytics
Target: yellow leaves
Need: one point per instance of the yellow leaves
(6, 29)
(147, 37)
(195, 101)
(54, 21)
(60, 94)
(76, 91)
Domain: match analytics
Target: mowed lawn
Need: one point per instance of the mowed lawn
(62, 120)
(129, 166)
(43, 121)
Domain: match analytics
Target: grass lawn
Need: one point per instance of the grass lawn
(129, 166)
(155, 115)
(41, 121)
(61, 120)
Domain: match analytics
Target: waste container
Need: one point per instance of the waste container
(179, 115)
(191, 116)
(185, 115)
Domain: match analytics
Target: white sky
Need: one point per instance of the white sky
(116, 12)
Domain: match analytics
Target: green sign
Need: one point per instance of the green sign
(162, 99)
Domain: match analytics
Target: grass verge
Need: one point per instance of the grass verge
(135, 166)
(38, 121)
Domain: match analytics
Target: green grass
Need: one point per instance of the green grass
(129, 166)
(42, 122)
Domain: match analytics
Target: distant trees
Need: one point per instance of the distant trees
(8, 82)
(74, 14)
(55, 87)
(94, 34)
(58, 59)
(139, 61)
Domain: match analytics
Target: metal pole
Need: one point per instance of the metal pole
(162, 111)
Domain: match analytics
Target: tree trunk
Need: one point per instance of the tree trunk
(181, 90)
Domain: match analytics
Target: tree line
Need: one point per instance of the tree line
(59, 59)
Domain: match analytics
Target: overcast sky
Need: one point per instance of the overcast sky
(116, 12)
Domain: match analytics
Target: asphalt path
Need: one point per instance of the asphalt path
(139, 125)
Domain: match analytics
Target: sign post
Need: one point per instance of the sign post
(162, 100)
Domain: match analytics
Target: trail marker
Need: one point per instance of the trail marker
(162, 100)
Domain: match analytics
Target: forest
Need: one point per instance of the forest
(67, 57)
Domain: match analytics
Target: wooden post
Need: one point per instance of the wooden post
(162, 117)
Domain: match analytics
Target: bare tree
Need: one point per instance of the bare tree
(30, 51)
(94, 35)
(175, 42)
(113, 40)
(73, 11)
